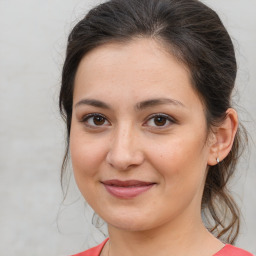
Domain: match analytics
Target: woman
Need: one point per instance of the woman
(153, 139)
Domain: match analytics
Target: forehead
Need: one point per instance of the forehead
(141, 68)
(144, 51)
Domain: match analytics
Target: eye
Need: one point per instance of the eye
(95, 120)
(160, 120)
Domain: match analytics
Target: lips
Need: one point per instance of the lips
(127, 189)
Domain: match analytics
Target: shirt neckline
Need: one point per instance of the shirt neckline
(216, 254)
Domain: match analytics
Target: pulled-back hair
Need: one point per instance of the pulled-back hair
(195, 35)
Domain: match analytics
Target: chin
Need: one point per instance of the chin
(130, 223)
(130, 226)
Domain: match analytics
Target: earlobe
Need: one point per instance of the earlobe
(224, 138)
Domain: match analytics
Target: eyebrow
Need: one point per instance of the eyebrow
(156, 102)
(139, 106)
(92, 102)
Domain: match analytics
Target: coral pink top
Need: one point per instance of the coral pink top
(227, 250)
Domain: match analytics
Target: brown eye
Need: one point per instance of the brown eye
(98, 120)
(160, 120)
(95, 120)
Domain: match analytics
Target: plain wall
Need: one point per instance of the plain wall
(33, 220)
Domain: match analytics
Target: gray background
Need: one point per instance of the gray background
(33, 219)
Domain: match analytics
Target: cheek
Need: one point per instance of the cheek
(86, 154)
(183, 160)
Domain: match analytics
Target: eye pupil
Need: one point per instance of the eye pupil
(160, 121)
(98, 120)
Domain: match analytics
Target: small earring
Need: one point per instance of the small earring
(218, 160)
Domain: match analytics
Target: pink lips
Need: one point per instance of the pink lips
(127, 189)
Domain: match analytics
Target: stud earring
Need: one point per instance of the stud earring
(218, 160)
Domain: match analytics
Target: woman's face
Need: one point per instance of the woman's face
(138, 136)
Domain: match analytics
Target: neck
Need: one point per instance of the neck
(164, 240)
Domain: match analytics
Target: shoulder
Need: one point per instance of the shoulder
(95, 251)
(230, 250)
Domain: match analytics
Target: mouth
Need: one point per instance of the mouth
(127, 189)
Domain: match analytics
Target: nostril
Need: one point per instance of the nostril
(121, 160)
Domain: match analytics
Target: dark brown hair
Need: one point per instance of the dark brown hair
(195, 35)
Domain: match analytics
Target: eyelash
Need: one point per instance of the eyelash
(87, 117)
(166, 117)
(93, 115)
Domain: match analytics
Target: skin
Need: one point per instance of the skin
(129, 144)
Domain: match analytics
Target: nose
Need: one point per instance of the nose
(125, 150)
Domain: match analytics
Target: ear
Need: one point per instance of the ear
(223, 137)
